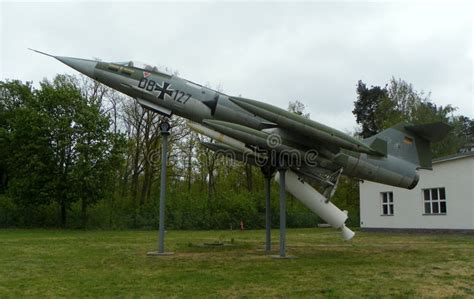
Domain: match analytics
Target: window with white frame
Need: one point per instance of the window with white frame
(386, 199)
(434, 200)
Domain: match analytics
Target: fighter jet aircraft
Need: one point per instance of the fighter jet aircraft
(273, 138)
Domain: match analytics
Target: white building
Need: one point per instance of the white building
(442, 200)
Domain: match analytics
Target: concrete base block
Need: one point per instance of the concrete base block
(155, 253)
(286, 257)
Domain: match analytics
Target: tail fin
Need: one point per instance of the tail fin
(410, 142)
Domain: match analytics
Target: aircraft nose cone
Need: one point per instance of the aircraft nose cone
(84, 66)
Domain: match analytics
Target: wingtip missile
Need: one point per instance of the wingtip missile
(234, 154)
(220, 137)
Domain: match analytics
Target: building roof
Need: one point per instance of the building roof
(453, 157)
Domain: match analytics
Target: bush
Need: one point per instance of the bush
(7, 212)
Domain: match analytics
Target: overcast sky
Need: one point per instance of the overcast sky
(314, 52)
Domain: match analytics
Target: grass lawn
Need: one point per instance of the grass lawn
(111, 263)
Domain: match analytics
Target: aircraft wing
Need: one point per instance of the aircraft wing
(310, 131)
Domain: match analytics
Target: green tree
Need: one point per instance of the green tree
(466, 133)
(367, 108)
(58, 143)
(299, 108)
(13, 95)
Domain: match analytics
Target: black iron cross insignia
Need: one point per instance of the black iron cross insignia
(163, 90)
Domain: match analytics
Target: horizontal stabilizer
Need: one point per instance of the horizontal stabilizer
(433, 132)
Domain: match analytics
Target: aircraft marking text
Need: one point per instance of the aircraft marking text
(176, 95)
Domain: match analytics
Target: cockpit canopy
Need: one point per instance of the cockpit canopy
(143, 66)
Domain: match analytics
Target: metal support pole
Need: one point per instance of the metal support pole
(282, 212)
(268, 214)
(164, 161)
(165, 128)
